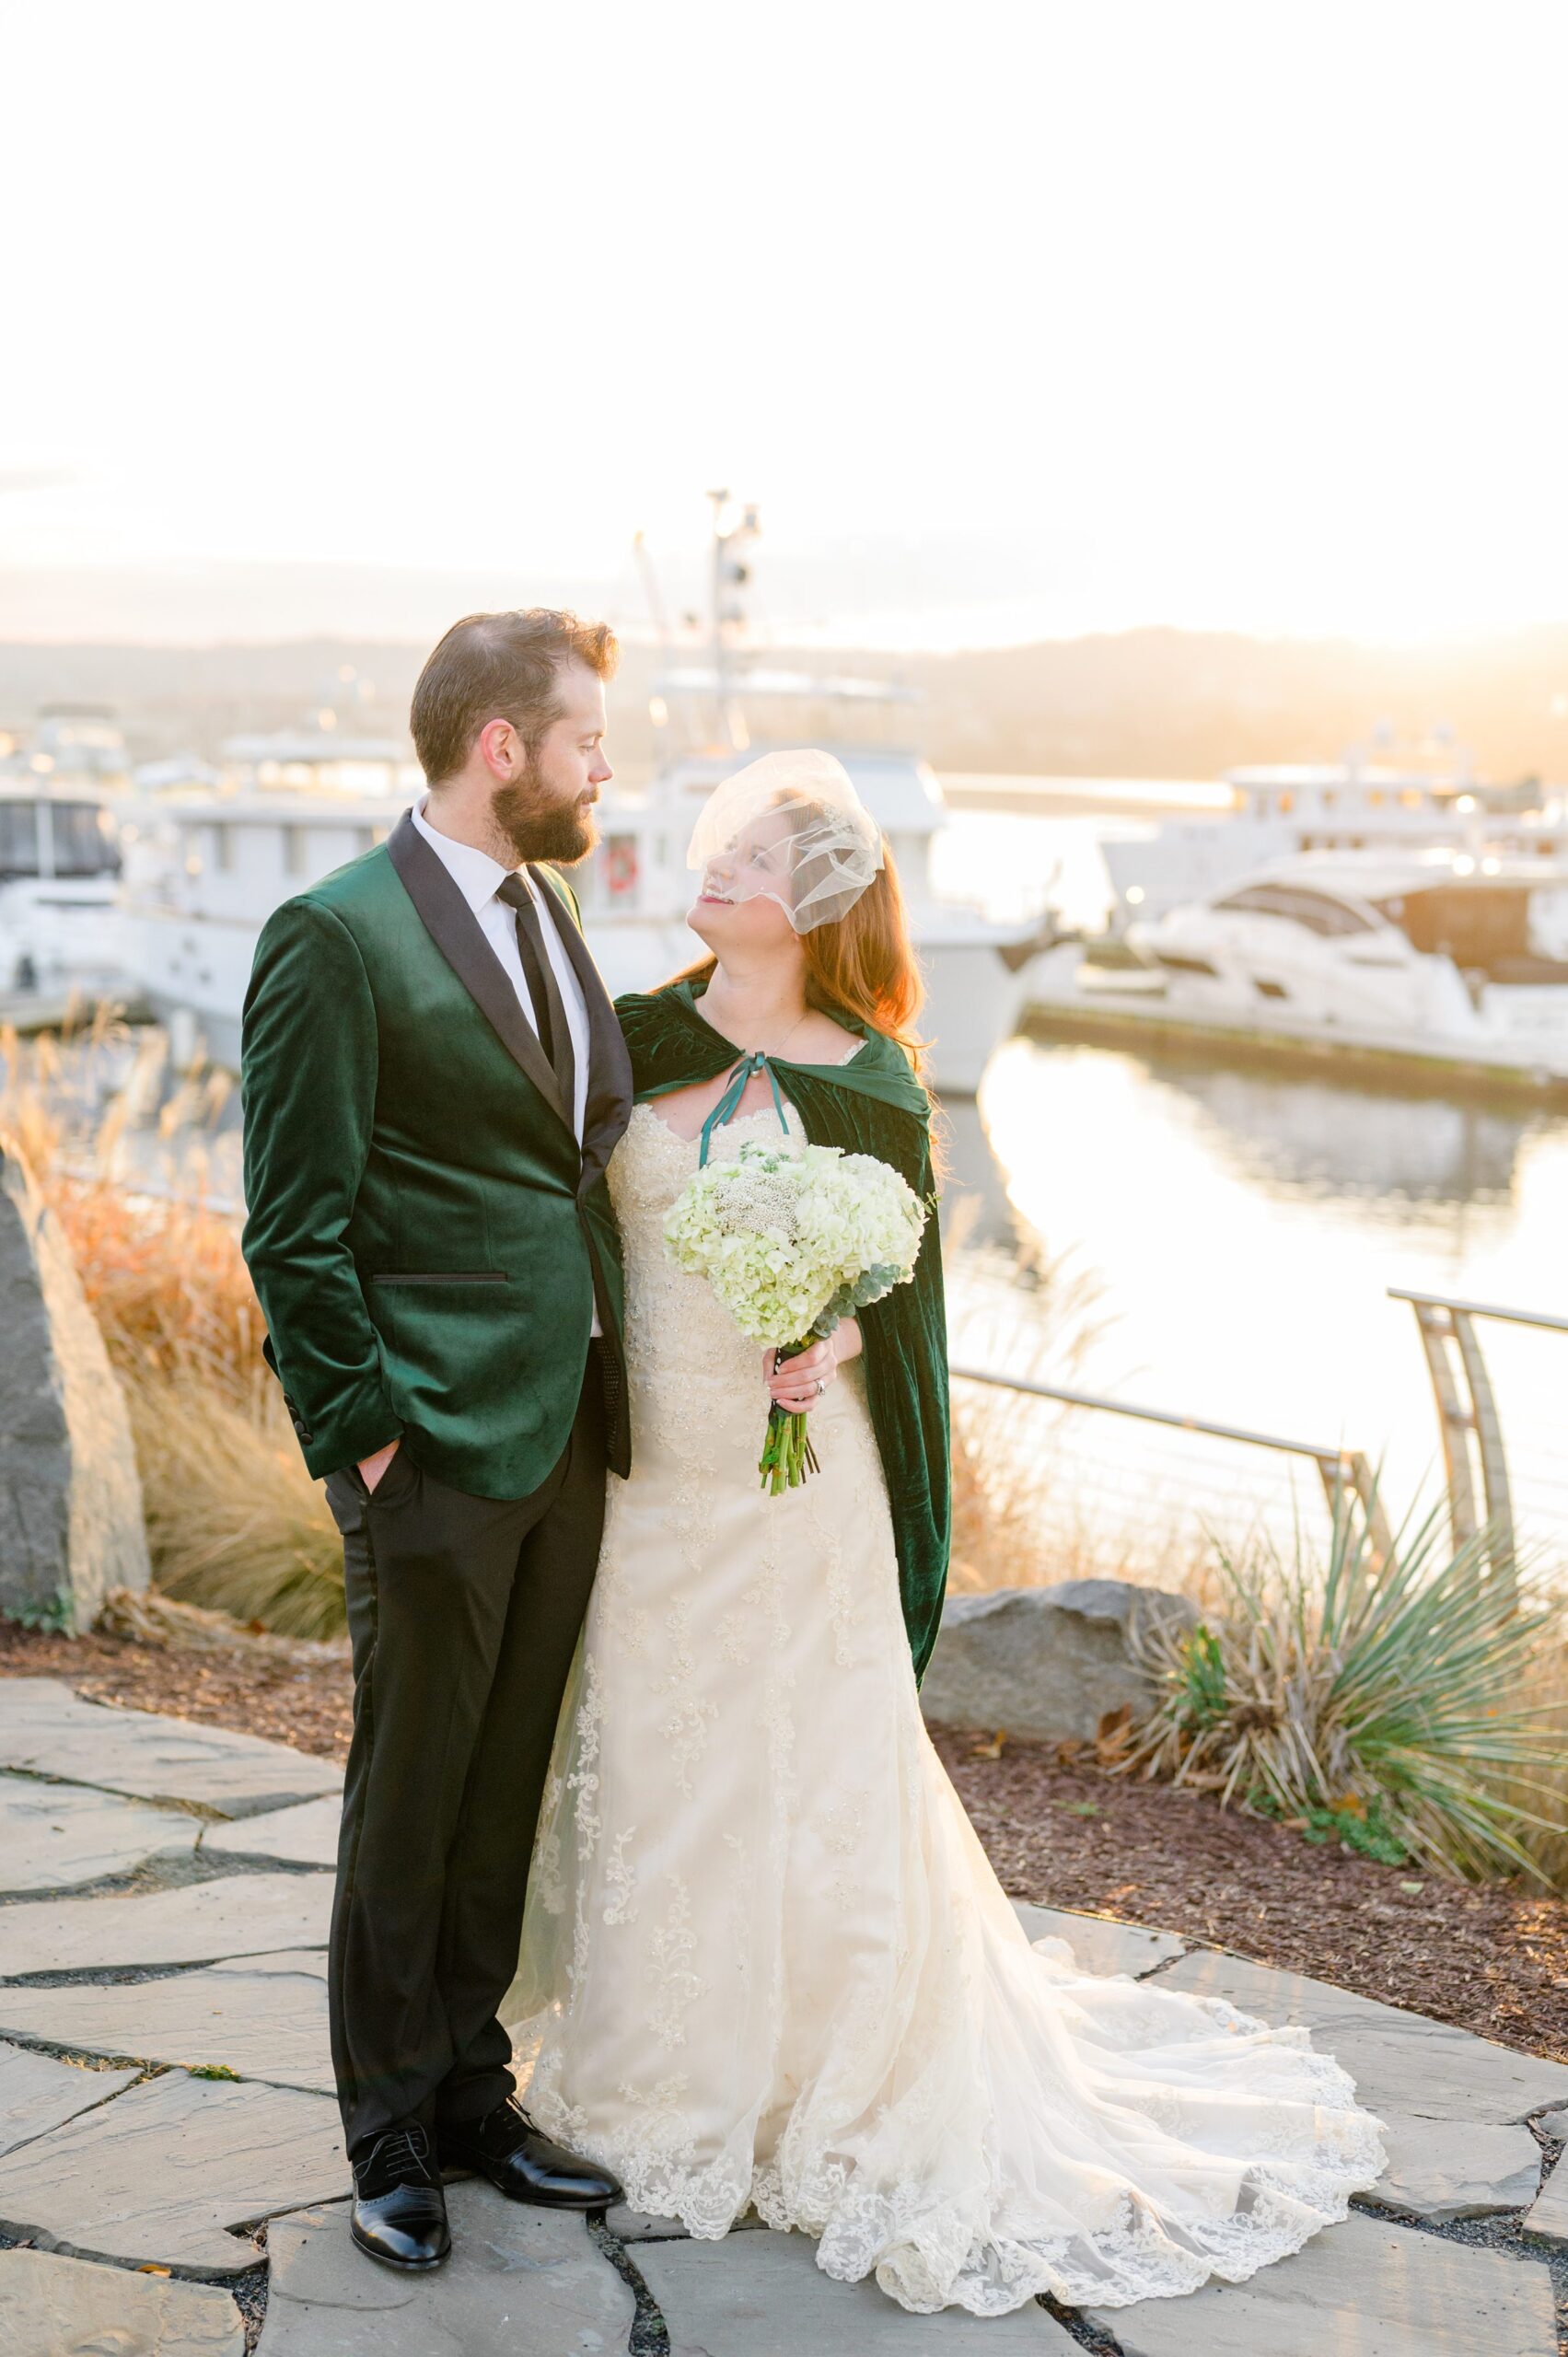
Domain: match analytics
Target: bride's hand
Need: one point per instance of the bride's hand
(798, 1383)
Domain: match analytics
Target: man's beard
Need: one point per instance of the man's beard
(537, 827)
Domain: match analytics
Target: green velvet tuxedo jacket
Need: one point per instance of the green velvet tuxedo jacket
(425, 1238)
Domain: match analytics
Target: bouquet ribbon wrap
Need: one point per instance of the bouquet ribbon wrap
(873, 1105)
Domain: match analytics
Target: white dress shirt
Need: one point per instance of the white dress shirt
(479, 878)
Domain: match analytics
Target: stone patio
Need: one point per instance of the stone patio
(166, 2093)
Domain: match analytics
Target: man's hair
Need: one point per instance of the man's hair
(500, 666)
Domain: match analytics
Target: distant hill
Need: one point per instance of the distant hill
(1145, 703)
(1184, 703)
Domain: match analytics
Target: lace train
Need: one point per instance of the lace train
(766, 1962)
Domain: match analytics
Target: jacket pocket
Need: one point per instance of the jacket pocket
(444, 1277)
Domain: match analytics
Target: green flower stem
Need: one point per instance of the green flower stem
(787, 1454)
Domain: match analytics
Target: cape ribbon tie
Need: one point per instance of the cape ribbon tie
(725, 1109)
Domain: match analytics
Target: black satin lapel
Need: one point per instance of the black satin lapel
(609, 1105)
(458, 936)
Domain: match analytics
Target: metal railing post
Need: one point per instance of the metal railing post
(1349, 1470)
(1466, 1413)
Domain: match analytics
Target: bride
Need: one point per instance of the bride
(765, 1961)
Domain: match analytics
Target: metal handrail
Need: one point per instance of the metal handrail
(1338, 1468)
(1478, 1309)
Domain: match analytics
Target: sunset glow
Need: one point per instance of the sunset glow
(1015, 320)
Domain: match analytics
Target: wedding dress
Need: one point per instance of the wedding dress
(766, 1961)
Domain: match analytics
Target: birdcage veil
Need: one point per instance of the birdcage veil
(791, 827)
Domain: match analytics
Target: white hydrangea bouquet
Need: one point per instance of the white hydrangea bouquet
(792, 1243)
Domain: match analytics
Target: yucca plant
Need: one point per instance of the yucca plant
(1378, 1701)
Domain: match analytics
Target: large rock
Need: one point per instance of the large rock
(68, 2308)
(70, 1495)
(1043, 1661)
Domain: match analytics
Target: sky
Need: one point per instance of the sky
(1014, 320)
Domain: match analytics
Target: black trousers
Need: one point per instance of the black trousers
(464, 1614)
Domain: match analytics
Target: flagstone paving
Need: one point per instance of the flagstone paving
(1546, 2220)
(131, 2156)
(520, 2283)
(1099, 1945)
(50, 1731)
(38, 2093)
(261, 2017)
(765, 2295)
(55, 1835)
(68, 2308)
(164, 2174)
(304, 1835)
(1368, 2288)
(239, 1915)
(1455, 2104)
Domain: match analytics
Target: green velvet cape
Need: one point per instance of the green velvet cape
(872, 1105)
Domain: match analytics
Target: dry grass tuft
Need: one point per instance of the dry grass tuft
(234, 1521)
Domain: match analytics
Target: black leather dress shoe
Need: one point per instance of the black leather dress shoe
(399, 2208)
(522, 2160)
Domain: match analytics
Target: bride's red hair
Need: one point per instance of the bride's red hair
(862, 964)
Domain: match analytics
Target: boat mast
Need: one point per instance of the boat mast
(731, 575)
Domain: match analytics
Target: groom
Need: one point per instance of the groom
(433, 1079)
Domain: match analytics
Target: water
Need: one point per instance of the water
(1244, 1227)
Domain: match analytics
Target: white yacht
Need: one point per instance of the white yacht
(60, 927)
(1431, 955)
(60, 806)
(1280, 809)
(211, 860)
(711, 716)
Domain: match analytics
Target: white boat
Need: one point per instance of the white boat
(61, 935)
(1282, 809)
(1431, 955)
(210, 866)
(209, 862)
(714, 715)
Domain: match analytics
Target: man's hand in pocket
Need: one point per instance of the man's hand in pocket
(372, 1468)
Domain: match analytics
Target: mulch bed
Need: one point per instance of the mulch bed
(1494, 1960)
(1060, 1833)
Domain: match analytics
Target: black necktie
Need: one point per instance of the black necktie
(550, 1012)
